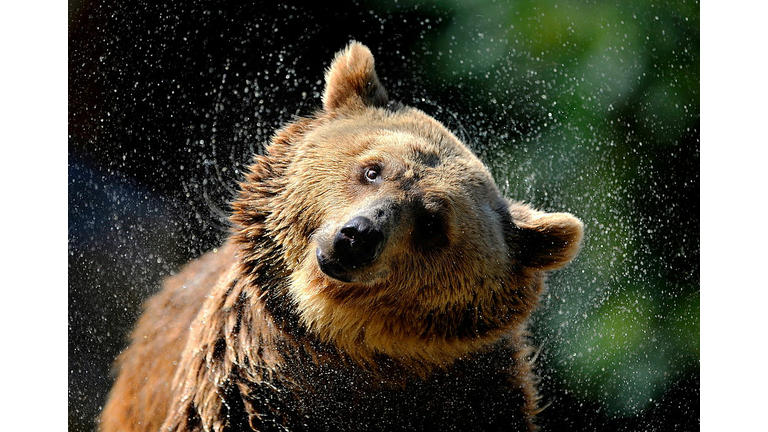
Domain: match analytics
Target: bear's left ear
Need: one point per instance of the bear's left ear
(546, 240)
(351, 80)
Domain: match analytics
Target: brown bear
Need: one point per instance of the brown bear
(375, 279)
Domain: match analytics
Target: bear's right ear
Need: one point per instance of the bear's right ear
(546, 240)
(351, 80)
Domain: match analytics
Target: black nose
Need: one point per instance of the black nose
(358, 243)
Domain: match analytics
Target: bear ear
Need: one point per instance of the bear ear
(546, 240)
(351, 80)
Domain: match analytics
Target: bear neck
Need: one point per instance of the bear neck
(421, 340)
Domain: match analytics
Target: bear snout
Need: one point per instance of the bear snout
(355, 245)
(358, 243)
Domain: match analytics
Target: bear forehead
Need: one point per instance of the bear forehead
(403, 147)
(416, 139)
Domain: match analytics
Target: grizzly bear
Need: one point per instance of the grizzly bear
(375, 279)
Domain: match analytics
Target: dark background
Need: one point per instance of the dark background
(587, 107)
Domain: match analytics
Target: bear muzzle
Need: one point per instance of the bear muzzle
(357, 244)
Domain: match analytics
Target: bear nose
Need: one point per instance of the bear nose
(358, 243)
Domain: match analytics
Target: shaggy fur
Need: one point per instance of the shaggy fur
(429, 335)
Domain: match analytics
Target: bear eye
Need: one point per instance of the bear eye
(372, 174)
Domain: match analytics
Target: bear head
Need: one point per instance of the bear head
(389, 235)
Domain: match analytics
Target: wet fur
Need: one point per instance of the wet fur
(255, 336)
